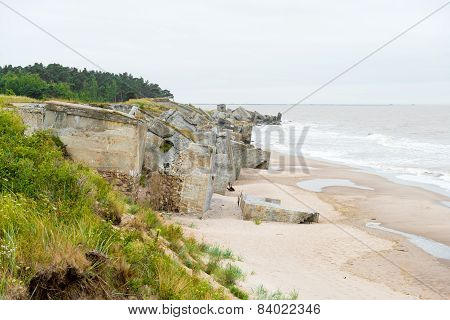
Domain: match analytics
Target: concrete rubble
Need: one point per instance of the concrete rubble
(173, 156)
(266, 209)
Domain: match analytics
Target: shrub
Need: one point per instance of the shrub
(230, 275)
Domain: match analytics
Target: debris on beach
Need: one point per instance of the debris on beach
(267, 209)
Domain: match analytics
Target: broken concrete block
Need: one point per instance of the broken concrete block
(222, 108)
(256, 158)
(241, 114)
(267, 209)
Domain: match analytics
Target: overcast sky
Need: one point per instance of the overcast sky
(245, 51)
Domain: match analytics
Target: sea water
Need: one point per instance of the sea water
(407, 143)
(436, 249)
(316, 185)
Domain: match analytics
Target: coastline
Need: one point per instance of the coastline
(392, 177)
(400, 206)
(339, 257)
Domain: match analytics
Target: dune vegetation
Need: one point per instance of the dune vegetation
(65, 233)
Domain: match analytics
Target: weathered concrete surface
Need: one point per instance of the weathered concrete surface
(221, 108)
(183, 183)
(32, 115)
(224, 170)
(103, 139)
(178, 171)
(256, 158)
(160, 129)
(179, 154)
(239, 150)
(186, 117)
(245, 130)
(225, 116)
(176, 118)
(241, 114)
(259, 119)
(266, 209)
(195, 165)
(206, 137)
(232, 156)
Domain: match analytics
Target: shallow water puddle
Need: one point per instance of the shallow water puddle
(446, 203)
(317, 185)
(436, 249)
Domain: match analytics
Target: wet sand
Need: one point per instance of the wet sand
(338, 258)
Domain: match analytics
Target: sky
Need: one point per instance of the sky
(245, 51)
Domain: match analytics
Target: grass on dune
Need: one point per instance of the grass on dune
(59, 236)
(262, 293)
(8, 99)
(150, 105)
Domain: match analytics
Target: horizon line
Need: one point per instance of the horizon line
(319, 104)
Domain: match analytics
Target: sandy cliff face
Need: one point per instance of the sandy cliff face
(174, 157)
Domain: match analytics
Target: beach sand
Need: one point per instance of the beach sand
(339, 257)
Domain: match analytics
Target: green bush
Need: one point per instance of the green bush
(54, 80)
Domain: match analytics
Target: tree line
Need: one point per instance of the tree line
(56, 81)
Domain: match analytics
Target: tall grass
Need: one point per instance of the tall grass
(8, 99)
(58, 218)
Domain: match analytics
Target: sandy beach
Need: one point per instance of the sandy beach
(339, 257)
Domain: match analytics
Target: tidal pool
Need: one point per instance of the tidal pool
(317, 185)
(446, 203)
(436, 249)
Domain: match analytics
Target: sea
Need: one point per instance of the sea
(408, 144)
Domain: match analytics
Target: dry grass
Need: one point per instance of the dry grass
(6, 100)
(153, 106)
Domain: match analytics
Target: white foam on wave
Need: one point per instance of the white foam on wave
(422, 164)
(425, 179)
(407, 144)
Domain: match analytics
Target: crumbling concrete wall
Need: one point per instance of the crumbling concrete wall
(224, 171)
(179, 173)
(239, 156)
(256, 158)
(222, 114)
(183, 154)
(162, 191)
(266, 209)
(194, 165)
(232, 156)
(103, 139)
(32, 116)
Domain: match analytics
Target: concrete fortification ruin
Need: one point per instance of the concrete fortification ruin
(170, 155)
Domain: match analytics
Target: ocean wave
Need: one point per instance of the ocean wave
(441, 182)
(404, 143)
(404, 158)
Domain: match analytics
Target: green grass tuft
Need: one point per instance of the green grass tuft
(264, 294)
(150, 105)
(257, 221)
